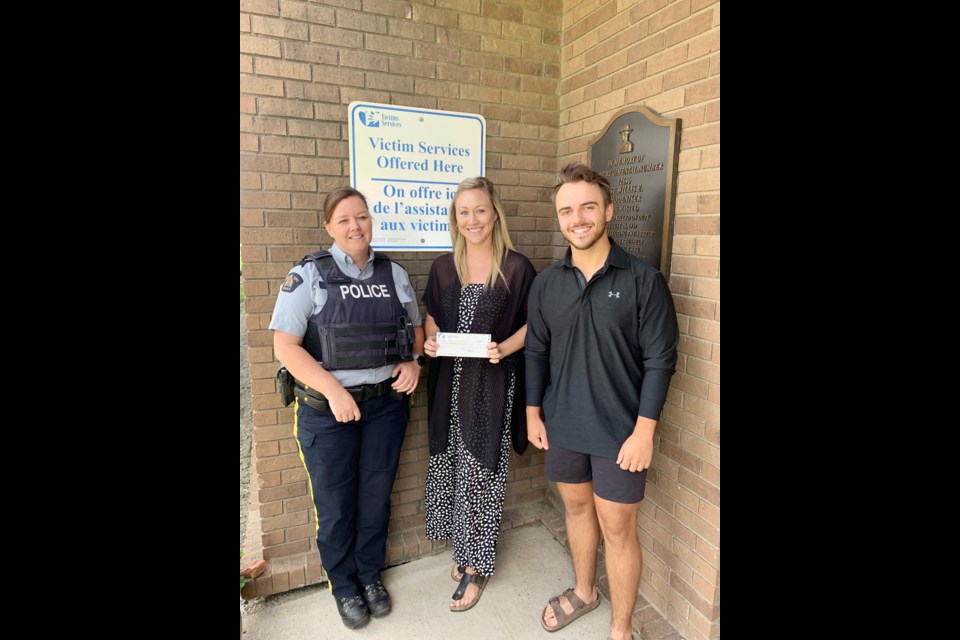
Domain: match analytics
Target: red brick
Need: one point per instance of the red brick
(364, 22)
(684, 458)
(287, 182)
(267, 7)
(294, 474)
(289, 446)
(282, 68)
(263, 200)
(704, 45)
(267, 449)
(443, 17)
(688, 29)
(713, 395)
(253, 569)
(698, 525)
(643, 50)
(644, 89)
(248, 104)
(692, 306)
(668, 59)
(389, 45)
(262, 386)
(699, 407)
(395, 8)
(703, 180)
(515, 31)
(338, 76)
(543, 52)
(249, 142)
(413, 31)
(686, 74)
(278, 463)
(521, 65)
(276, 523)
(284, 550)
(274, 164)
(316, 166)
(301, 532)
(310, 52)
(268, 511)
(705, 135)
(703, 91)
(265, 418)
(258, 124)
(263, 86)
(288, 145)
(281, 28)
(672, 14)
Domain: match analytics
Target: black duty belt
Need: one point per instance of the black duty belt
(360, 393)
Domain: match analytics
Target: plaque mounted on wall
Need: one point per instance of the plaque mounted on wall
(637, 153)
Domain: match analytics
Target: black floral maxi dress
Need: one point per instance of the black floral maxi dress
(464, 496)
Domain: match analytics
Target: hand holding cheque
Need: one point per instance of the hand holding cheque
(463, 345)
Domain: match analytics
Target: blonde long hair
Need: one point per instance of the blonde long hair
(501, 243)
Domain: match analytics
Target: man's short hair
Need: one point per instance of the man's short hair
(578, 172)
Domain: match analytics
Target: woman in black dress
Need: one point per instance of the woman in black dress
(475, 404)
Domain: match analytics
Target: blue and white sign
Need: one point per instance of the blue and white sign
(408, 163)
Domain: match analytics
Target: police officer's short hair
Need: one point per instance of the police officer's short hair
(337, 196)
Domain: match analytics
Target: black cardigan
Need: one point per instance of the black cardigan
(483, 386)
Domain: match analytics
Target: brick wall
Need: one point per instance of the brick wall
(547, 76)
(301, 64)
(666, 56)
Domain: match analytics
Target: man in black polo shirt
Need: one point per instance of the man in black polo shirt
(601, 346)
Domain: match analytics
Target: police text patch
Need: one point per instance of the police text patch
(292, 282)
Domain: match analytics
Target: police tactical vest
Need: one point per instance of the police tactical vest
(363, 324)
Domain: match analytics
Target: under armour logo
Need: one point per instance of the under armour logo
(613, 294)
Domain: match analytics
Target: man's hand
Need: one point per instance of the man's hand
(536, 429)
(636, 454)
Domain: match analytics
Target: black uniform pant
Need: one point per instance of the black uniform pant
(352, 466)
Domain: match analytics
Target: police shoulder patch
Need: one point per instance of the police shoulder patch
(292, 282)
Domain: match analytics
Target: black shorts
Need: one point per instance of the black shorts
(610, 482)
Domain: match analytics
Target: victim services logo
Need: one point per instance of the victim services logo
(370, 118)
(378, 119)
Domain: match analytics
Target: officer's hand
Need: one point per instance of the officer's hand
(407, 375)
(493, 352)
(343, 407)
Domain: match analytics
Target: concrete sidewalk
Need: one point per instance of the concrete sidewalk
(532, 566)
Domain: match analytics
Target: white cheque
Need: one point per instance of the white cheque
(464, 345)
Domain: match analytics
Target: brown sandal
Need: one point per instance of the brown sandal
(479, 581)
(563, 618)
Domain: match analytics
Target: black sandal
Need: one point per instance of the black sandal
(479, 581)
(461, 569)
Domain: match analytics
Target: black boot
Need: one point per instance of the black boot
(377, 598)
(353, 612)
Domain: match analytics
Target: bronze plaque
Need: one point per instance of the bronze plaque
(636, 152)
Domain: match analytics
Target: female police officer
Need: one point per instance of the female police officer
(347, 327)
